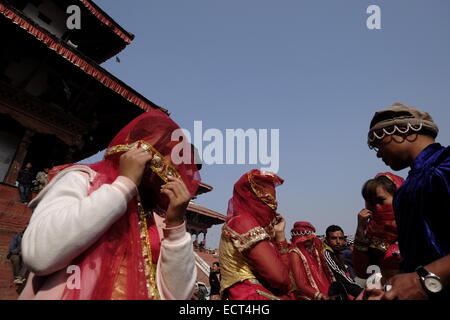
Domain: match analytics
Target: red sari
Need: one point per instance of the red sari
(312, 275)
(253, 266)
(117, 266)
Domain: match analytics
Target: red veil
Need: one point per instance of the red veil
(250, 226)
(254, 201)
(100, 263)
(382, 224)
(381, 237)
(318, 275)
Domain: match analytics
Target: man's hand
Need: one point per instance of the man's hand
(370, 294)
(406, 286)
(132, 163)
(179, 198)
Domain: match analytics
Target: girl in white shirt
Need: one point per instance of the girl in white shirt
(116, 229)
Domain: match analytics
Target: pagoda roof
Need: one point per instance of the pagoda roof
(79, 60)
(204, 188)
(103, 17)
(205, 211)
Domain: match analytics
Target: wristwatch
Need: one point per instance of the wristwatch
(431, 282)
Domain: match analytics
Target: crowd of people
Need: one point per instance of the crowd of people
(121, 221)
(401, 231)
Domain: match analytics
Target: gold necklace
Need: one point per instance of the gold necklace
(150, 269)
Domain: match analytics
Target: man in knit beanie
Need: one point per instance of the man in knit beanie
(404, 137)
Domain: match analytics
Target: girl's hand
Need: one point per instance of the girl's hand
(279, 229)
(132, 163)
(179, 197)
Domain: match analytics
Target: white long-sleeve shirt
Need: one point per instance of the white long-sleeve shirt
(66, 221)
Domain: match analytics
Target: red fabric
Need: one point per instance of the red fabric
(389, 261)
(154, 239)
(282, 248)
(100, 264)
(91, 69)
(272, 270)
(270, 266)
(301, 226)
(320, 274)
(392, 258)
(382, 225)
(398, 181)
(361, 260)
(246, 290)
(246, 211)
(304, 290)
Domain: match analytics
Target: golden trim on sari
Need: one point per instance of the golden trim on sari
(247, 240)
(234, 266)
(149, 267)
(120, 284)
(158, 164)
(264, 195)
(307, 269)
(267, 295)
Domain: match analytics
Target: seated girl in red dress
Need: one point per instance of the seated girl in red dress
(312, 275)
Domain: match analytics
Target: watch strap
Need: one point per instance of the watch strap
(422, 272)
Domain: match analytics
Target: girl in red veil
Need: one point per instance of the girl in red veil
(115, 229)
(312, 275)
(253, 248)
(376, 234)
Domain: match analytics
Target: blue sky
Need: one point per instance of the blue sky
(311, 69)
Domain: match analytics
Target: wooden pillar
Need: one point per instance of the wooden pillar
(204, 236)
(19, 158)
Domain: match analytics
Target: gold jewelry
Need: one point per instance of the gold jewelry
(379, 244)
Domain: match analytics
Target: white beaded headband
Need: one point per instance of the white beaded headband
(384, 132)
(301, 233)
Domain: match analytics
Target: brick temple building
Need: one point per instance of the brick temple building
(58, 105)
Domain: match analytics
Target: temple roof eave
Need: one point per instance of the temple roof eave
(205, 211)
(104, 18)
(78, 59)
